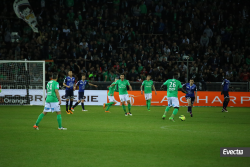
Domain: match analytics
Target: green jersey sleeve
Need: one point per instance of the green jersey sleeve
(57, 85)
(128, 83)
(166, 83)
(143, 83)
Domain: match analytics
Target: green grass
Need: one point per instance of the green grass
(96, 138)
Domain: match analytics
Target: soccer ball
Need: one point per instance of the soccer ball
(182, 117)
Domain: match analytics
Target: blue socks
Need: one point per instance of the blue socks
(190, 109)
(82, 106)
(67, 104)
(71, 103)
(75, 104)
(225, 103)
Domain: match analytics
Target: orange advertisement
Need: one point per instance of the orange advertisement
(204, 98)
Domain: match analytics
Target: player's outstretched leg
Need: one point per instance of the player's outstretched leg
(40, 117)
(174, 113)
(59, 120)
(109, 105)
(129, 108)
(76, 104)
(166, 111)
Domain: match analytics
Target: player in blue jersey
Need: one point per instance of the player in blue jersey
(82, 84)
(224, 91)
(191, 95)
(69, 83)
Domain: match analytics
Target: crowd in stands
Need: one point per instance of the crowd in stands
(135, 37)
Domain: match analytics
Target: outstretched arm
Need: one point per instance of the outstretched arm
(93, 85)
(162, 87)
(141, 89)
(181, 89)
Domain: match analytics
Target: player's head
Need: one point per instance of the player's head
(175, 76)
(148, 77)
(83, 77)
(191, 81)
(55, 76)
(122, 76)
(70, 73)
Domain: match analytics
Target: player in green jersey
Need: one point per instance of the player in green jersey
(53, 102)
(148, 85)
(112, 90)
(173, 85)
(123, 93)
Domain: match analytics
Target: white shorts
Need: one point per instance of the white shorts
(52, 107)
(124, 98)
(148, 96)
(173, 101)
(111, 98)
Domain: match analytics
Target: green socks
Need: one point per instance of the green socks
(40, 117)
(148, 102)
(59, 120)
(174, 112)
(109, 105)
(124, 108)
(129, 107)
(166, 110)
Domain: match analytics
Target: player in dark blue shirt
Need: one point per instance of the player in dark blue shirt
(82, 84)
(69, 83)
(224, 91)
(191, 95)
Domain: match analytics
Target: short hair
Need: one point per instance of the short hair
(192, 79)
(122, 74)
(149, 75)
(175, 75)
(55, 75)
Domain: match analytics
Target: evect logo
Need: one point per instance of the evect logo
(232, 152)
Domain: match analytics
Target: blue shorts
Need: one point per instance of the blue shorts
(69, 94)
(80, 95)
(191, 98)
(226, 94)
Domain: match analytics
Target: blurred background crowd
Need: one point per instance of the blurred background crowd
(104, 38)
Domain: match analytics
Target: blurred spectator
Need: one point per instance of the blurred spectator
(105, 38)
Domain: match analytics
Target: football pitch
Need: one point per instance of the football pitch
(96, 138)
